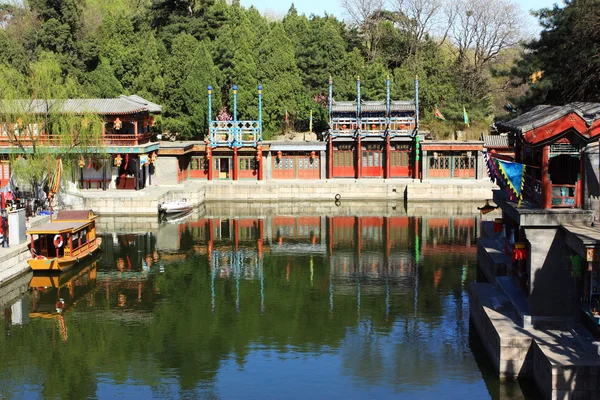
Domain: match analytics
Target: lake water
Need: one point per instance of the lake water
(271, 304)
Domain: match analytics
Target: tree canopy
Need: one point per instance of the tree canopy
(562, 66)
(169, 50)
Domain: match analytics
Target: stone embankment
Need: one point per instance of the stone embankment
(13, 259)
(562, 358)
(146, 201)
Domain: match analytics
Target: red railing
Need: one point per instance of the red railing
(55, 140)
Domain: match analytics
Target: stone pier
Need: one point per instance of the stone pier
(557, 352)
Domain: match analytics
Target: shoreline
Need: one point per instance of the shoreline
(145, 201)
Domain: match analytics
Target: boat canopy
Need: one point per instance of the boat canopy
(58, 227)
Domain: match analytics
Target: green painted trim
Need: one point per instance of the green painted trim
(142, 149)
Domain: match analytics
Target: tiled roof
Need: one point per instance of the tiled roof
(121, 105)
(402, 105)
(495, 141)
(343, 106)
(373, 106)
(544, 114)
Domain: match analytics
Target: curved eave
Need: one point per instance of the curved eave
(551, 130)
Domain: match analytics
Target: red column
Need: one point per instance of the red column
(236, 233)
(135, 131)
(330, 235)
(210, 243)
(579, 189)
(235, 164)
(358, 158)
(388, 154)
(330, 159)
(209, 162)
(359, 237)
(260, 166)
(546, 184)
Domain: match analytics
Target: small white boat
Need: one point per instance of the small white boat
(174, 207)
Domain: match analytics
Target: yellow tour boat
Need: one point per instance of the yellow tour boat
(69, 238)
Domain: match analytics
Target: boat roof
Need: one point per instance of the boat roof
(75, 215)
(58, 227)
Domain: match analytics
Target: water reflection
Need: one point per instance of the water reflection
(226, 306)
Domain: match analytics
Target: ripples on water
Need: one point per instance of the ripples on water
(259, 307)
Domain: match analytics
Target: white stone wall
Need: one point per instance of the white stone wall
(165, 171)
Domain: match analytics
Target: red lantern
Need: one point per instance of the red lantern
(118, 160)
(81, 162)
(519, 252)
(258, 152)
(279, 154)
(313, 155)
(373, 127)
(117, 124)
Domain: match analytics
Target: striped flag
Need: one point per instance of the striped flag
(310, 122)
(287, 118)
(466, 117)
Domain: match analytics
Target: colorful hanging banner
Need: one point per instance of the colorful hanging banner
(514, 176)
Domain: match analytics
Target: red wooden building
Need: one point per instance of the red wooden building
(373, 139)
(551, 142)
(125, 158)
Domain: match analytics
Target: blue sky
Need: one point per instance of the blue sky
(319, 7)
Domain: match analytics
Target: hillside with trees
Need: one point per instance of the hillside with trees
(169, 51)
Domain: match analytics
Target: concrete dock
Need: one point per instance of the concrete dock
(560, 355)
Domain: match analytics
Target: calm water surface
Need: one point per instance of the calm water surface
(268, 307)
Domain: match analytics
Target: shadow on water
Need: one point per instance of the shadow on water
(522, 389)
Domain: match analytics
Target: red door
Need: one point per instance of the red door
(248, 168)
(284, 167)
(372, 164)
(308, 168)
(439, 166)
(400, 164)
(343, 164)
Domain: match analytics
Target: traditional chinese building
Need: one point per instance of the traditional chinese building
(551, 141)
(124, 159)
(234, 147)
(373, 139)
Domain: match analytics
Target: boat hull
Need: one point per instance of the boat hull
(62, 263)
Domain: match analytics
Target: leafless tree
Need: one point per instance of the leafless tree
(366, 15)
(422, 17)
(481, 29)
